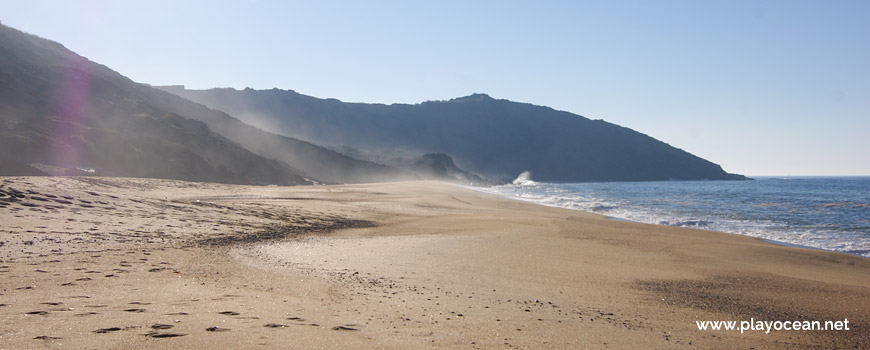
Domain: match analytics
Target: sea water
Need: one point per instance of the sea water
(831, 213)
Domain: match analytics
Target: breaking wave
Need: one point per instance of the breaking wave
(825, 213)
(525, 179)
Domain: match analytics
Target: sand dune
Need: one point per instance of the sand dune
(136, 263)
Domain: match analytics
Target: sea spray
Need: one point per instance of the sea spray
(524, 179)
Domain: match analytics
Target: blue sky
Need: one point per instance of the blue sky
(759, 87)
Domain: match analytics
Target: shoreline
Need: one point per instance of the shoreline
(442, 266)
(768, 240)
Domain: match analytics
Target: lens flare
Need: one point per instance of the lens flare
(70, 107)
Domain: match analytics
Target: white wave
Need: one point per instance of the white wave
(525, 179)
(523, 188)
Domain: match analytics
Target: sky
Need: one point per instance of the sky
(759, 87)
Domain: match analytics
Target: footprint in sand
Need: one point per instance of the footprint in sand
(46, 337)
(229, 313)
(107, 330)
(216, 329)
(161, 326)
(164, 335)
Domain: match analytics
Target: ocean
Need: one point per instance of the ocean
(831, 213)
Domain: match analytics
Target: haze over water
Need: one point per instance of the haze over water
(831, 213)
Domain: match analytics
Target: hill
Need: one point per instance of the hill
(496, 138)
(63, 114)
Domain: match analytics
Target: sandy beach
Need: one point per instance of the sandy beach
(89, 262)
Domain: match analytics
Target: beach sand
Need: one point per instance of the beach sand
(143, 263)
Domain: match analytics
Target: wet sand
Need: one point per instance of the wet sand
(142, 263)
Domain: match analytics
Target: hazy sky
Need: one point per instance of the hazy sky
(760, 87)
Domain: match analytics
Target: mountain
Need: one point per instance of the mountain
(60, 113)
(63, 114)
(318, 162)
(496, 138)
